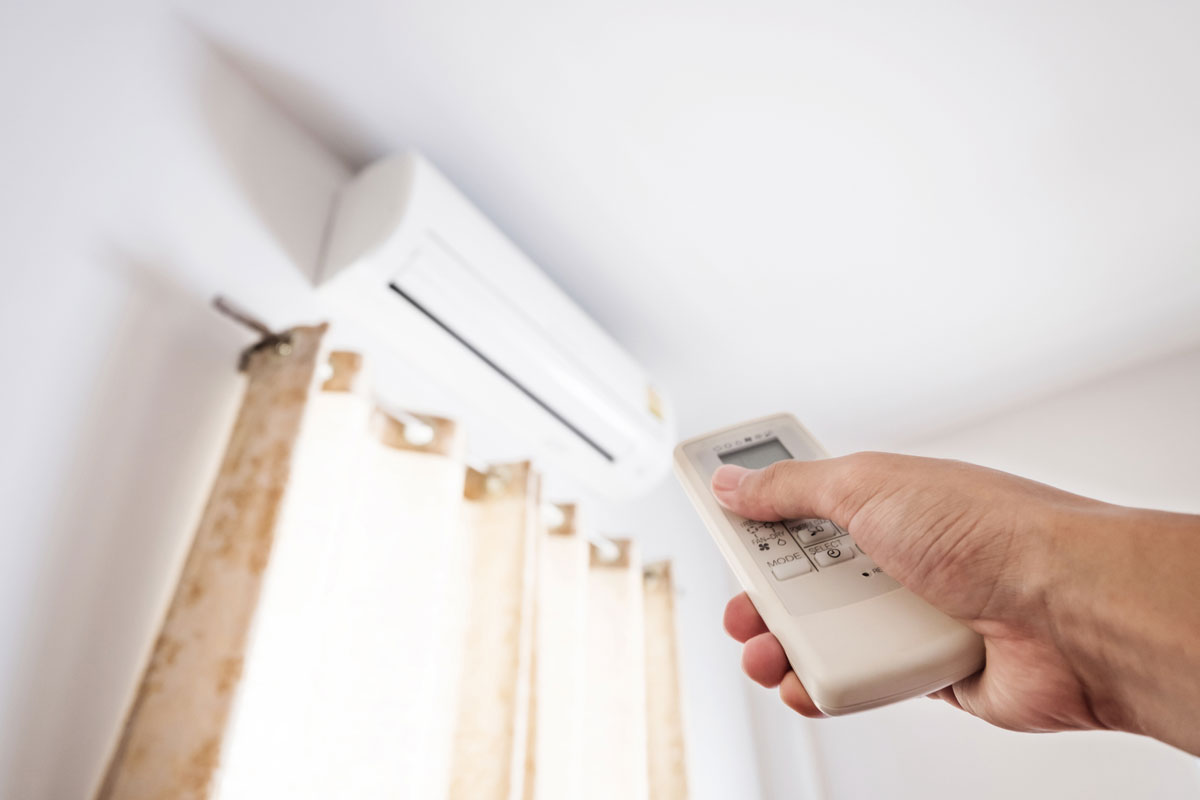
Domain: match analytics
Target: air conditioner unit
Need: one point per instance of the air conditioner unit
(412, 260)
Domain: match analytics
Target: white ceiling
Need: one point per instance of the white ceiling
(887, 217)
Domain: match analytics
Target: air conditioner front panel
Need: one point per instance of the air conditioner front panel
(514, 342)
(455, 298)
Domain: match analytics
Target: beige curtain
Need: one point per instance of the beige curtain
(664, 709)
(559, 698)
(501, 524)
(615, 737)
(173, 738)
(364, 617)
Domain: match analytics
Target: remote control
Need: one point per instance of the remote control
(856, 638)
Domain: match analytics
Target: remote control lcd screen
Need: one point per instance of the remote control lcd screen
(757, 456)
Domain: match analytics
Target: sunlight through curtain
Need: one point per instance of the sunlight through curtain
(362, 615)
(615, 762)
(664, 710)
(560, 660)
(501, 524)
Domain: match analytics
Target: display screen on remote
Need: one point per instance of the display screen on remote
(757, 456)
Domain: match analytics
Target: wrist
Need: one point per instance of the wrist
(1124, 610)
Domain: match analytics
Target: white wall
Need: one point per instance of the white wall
(143, 174)
(1132, 438)
(140, 177)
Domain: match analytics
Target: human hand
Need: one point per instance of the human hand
(1090, 612)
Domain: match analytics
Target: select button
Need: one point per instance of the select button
(834, 555)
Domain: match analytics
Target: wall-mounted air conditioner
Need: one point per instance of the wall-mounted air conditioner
(412, 260)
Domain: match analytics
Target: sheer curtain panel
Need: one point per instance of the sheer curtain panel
(664, 709)
(362, 615)
(615, 761)
(501, 521)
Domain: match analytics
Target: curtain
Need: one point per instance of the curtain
(501, 525)
(615, 736)
(664, 708)
(362, 615)
(560, 660)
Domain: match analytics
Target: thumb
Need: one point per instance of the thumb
(931, 524)
(832, 488)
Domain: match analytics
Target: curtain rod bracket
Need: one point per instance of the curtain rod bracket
(281, 343)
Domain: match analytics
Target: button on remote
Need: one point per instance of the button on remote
(811, 531)
(791, 569)
(834, 555)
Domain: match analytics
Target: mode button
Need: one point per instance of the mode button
(791, 569)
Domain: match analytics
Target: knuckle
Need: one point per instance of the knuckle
(773, 483)
(862, 464)
(860, 482)
(770, 477)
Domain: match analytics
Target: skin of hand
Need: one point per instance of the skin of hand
(1090, 612)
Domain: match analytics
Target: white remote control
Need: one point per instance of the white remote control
(856, 638)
